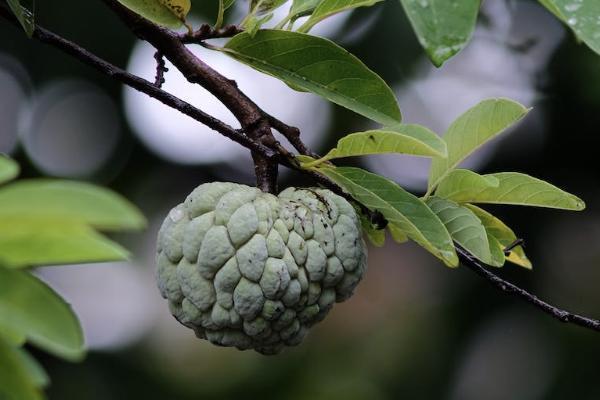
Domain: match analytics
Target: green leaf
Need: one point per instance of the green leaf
(301, 8)
(464, 227)
(253, 23)
(23, 15)
(376, 236)
(157, 11)
(519, 189)
(9, 169)
(29, 306)
(12, 336)
(458, 179)
(397, 234)
(443, 27)
(16, 382)
(472, 130)
(26, 242)
(37, 375)
(71, 201)
(503, 234)
(327, 8)
(582, 16)
(496, 250)
(227, 3)
(399, 207)
(319, 66)
(263, 6)
(407, 139)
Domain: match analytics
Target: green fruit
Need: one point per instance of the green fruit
(248, 269)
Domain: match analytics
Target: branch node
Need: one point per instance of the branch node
(160, 69)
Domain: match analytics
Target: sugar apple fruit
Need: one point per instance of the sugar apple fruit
(248, 269)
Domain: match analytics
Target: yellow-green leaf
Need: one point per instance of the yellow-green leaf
(9, 169)
(159, 12)
(515, 188)
(180, 8)
(27, 241)
(472, 130)
(404, 139)
(459, 179)
(504, 235)
(397, 234)
(327, 8)
(464, 227)
(319, 66)
(399, 207)
(71, 201)
(16, 381)
(29, 306)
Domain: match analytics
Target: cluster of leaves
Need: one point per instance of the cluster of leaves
(447, 213)
(48, 222)
(442, 27)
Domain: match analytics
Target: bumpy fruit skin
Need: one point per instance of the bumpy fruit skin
(248, 269)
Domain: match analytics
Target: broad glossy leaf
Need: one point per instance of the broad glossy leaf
(399, 207)
(582, 16)
(376, 236)
(24, 16)
(472, 130)
(72, 201)
(519, 189)
(504, 235)
(397, 234)
(404, 139)
(29, 306)
(320, 66)
(459, 179)
(16, 382)
(158, 12)
(8, 169)
(26, 242)
(443, 27)
(464, 227)
(327, 8)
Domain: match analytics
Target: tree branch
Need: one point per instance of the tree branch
(206, 32)
(509, 288)
(140, 84)
(250, 116)
(198, 72)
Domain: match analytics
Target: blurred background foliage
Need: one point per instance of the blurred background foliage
(414, 328)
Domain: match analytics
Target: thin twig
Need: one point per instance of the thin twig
(206, 32)
(160, 69)
(249, 115)
(141, 85)
(291, 133)
(562, 315)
